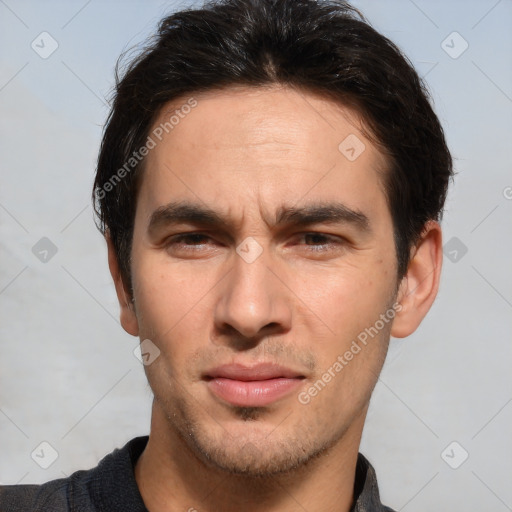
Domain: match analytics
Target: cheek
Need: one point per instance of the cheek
(173, 312)
(351, 356)
(346, 299)
(168, 296)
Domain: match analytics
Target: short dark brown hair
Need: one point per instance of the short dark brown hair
(324, 47)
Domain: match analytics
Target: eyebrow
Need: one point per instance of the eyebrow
(175, 213)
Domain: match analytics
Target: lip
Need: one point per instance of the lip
(252, 386)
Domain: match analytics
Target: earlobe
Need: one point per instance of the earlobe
(127, 313)
(420, 285)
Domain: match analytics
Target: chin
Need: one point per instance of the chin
(252, 450)
(256, 460)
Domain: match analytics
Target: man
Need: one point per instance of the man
(270, 185)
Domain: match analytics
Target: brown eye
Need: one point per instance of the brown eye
(321, 242)
(190, 239)
(186, 243)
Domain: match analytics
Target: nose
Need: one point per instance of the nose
(253, 302)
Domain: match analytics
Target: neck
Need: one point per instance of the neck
(170, 477)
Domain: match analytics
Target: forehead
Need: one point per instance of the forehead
(243, 149)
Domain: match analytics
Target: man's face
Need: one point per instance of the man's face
(300, 262)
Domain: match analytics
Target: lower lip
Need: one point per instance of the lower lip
(253, 393)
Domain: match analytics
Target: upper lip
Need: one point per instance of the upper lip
(260, 371)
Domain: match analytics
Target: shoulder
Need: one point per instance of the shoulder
(84, 490)
(22, 498)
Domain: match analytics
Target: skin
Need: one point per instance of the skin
(245, 152)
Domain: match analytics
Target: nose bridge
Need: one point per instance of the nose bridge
(251, 298)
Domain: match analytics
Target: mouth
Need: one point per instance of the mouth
(252, 386)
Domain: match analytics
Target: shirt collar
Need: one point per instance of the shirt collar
(366, 491)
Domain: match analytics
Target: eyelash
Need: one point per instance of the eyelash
(178, 239)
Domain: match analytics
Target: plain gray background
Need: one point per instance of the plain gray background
(68, 374)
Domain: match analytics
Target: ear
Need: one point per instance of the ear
(419, 286)
(127, 316)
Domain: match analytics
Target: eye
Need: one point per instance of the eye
(189, 242)
(321, 242)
